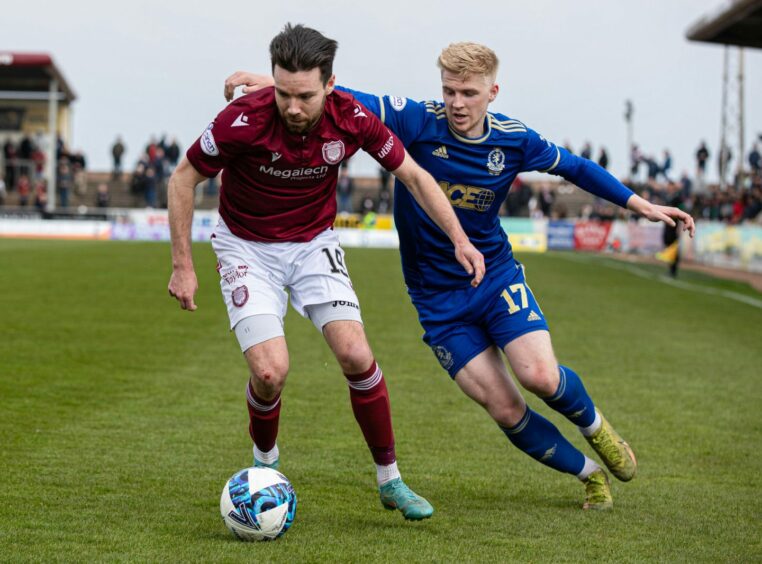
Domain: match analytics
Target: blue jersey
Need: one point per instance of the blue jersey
(476, 175)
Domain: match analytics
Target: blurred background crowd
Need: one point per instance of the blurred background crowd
(735, 198)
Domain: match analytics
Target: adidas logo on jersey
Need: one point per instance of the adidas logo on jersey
(533, 316)
(441, 152)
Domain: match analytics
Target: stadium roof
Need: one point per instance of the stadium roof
(738, 22)
(29, 75)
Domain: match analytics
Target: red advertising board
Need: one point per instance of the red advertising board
(591, 235)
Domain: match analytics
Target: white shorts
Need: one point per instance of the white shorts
(255, 276)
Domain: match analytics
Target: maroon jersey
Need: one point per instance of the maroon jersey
(278, 185)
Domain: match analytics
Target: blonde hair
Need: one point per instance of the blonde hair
(469, 58)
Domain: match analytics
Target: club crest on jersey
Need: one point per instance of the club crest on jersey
(208, 145)
(240, 296)
(333, 152)
(495, 161)
(444, 356)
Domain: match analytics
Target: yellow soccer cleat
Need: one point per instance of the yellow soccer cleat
(597, 492)
(615, 453)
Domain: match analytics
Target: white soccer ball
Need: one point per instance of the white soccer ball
(258, 504)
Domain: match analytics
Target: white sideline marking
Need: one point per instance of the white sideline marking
(662, 278)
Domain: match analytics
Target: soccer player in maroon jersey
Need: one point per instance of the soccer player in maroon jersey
(279, 151)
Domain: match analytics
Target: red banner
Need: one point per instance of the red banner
(591, 235)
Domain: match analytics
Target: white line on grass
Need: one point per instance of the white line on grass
(662, 278)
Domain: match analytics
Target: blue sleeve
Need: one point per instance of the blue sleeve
(404, 117)
(544, 156)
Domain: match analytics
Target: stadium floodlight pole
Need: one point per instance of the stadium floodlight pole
(50, 158)
(741, 124)
(723, 121)
(629, 111)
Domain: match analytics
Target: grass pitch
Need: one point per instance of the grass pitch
(121, 418)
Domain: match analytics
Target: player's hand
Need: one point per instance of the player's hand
(251, 83)
(669, 216)
(471, 260)
(666, 214)
(182, 286)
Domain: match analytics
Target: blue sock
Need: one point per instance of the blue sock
(571, 399)
(541, 440)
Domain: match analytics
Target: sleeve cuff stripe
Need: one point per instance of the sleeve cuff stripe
(555, 164)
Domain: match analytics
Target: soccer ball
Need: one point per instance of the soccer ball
(258, 504)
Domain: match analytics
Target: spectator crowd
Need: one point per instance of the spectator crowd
(148, 183)
(24, 162)
(734, 200)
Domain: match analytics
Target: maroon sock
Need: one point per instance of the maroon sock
(263, 419)
(370, 404)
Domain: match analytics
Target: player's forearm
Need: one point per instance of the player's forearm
(430, 197)
(180, 203)
(639, 205)
(593, 178)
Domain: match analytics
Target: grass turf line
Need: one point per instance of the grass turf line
(123, 416)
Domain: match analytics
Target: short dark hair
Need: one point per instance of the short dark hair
(300, 48)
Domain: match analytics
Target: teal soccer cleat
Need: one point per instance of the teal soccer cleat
(260, 464)
(396, 495)
(272, 465)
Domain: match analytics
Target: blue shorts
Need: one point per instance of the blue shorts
(460, 324)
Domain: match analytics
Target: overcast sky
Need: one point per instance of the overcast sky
(143, 68)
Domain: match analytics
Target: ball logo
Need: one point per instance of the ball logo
(243, 517)
(240, 296)
(495, 161)
(333, 152)
(208, 145)
(397, 102)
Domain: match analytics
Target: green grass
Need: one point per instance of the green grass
(121, 417)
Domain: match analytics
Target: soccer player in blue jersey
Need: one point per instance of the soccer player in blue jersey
(475, 155)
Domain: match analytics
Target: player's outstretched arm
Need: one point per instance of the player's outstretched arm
(250, 81)
(667, 214)
(183, 283)
(426, 192)
(593, 178)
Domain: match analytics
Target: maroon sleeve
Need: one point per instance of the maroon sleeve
(221, 141)
(380, 143)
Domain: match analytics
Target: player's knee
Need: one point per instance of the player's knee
(508, 413)
(268, 381)
(354, 356)
(541, 379)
